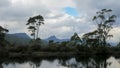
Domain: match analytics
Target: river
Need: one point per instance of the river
(71, 62)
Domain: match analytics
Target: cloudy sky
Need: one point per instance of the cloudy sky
(62, 17)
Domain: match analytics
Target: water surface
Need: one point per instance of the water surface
(74, 62)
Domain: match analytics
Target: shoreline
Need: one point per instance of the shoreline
(53, 54)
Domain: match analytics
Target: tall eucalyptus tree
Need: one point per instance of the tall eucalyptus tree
(34, 25)
(104, 20)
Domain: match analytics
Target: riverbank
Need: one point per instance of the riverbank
(13, 55)
(41, 54)
(37, 51)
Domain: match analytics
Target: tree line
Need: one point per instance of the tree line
(94, 42)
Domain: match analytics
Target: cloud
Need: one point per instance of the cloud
(88, 8)
(21, 9)
(15, 14)
(64, 26)
(56, 5)
(4, 3)
(116, 35)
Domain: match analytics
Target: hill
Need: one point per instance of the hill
(18, 38)
(55, 39)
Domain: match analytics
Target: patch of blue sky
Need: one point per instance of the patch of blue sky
(71, 11)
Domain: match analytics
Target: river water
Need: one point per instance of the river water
(73, 62)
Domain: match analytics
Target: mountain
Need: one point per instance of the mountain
(18, 38)
(55, 39)
(24, 39)
(22, 35)
(52, 38)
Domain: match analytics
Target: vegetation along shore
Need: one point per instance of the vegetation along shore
(91, 43)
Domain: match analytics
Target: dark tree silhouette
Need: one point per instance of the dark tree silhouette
(118, 45)
(51, 42)
(3, 31)
(91, 38)
(75, 37)
(34, 24)
(104, 20)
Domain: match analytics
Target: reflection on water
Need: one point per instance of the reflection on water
(113, 63)
(74, 62)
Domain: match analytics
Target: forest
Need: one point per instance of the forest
(91, 43)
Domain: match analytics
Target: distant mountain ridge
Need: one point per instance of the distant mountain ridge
(23, 39)
(18, 38)
(55, 39)
(22, 35)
